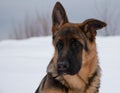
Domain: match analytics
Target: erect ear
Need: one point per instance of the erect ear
(90, 26)
(59, 16)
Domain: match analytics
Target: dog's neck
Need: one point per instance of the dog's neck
(81, 86)
(92, 86)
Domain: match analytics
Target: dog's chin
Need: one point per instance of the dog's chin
(67, 73)
(60, 76)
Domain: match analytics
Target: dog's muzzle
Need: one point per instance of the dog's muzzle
(62, 67)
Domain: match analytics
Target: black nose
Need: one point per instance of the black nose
(62, 66)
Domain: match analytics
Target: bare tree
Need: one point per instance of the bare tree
(109, 12)
(32, 27)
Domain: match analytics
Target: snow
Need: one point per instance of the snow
(23, 63)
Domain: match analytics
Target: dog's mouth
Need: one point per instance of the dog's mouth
(53, 75)
(68, 72)
(57, 76)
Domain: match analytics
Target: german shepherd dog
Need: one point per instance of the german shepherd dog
(74, 67)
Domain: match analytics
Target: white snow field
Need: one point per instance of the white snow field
(23, 64)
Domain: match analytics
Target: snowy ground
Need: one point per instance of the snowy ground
(23, 64)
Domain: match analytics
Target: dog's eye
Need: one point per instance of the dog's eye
(75, 43)
(59, 45)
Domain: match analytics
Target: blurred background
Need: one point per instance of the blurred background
(23, 61)
(21, 19)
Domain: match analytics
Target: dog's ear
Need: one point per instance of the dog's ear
(90, 26)
(59, 17)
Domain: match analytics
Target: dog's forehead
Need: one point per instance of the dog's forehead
(69, 31)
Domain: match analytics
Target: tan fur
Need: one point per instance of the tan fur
(77, 83)
(90, 64)
(52, 91)
(87, 79)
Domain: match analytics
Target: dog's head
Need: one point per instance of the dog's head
(71, 41)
